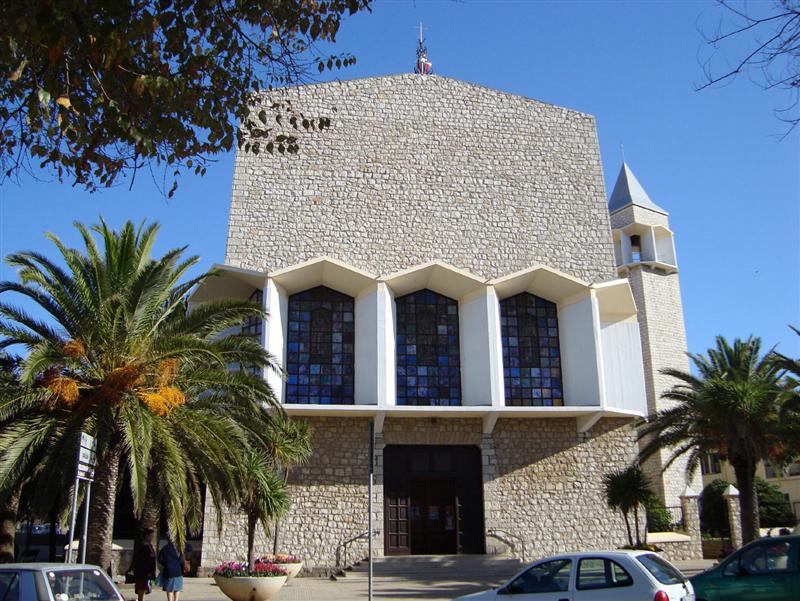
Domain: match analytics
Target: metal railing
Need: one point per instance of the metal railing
(676, 518)
(508, 538)
(341, 549)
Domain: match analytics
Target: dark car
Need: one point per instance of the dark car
(55, 582)
(767, 569)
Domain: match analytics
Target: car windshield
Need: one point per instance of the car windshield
(81, 585)
(661, 569)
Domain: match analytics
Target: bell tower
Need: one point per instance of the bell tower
(644, 248)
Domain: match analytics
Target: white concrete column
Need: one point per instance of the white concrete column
(367, 356)
(498, 390)
(579, 333)
(276, 304)
(386, 362)
(649, 245)
(625, 243)
(476, 315)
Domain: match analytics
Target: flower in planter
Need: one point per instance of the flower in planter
(279, 558)
(234, 569)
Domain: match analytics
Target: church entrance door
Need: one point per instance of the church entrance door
(433, 500)
(433, 516)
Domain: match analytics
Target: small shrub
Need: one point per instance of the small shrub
(659, 519)
(714, 509)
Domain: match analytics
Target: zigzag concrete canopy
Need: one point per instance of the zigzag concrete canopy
(323, 271)
(437, 276)
(542, 281)
(228, 282)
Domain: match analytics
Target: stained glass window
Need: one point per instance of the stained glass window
(531, 357)
(253, 326)
(428, 367)
(320, 346)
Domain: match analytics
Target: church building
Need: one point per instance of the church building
(444, 263)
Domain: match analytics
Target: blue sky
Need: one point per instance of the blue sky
(713, 159)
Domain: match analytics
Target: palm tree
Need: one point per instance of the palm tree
(731, 407)
(123, 359)
(788, 448)
(262, 496)
(626, 489)
(287, 443)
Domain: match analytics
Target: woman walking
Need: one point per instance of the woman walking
(171, 571)
(144, 564)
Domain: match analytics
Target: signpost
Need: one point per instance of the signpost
(87, 460)
(369, 503)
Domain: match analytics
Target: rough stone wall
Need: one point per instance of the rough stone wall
(631, 214)
(680, 551)
(416, 168)
(328, 502)
(660, 314)
(543, 482)
(433, 431)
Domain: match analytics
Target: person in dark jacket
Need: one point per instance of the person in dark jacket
(171, 571)
(144, 564)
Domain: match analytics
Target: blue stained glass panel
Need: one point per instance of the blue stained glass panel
(320, 345)
(531, 358)
(428, 371)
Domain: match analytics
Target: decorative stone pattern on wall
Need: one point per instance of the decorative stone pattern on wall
(543, 482)
(419, 168)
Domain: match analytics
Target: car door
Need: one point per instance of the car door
(602, 579)
(545, 581)
(760, 572)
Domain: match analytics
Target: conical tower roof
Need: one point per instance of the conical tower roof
(628, 191)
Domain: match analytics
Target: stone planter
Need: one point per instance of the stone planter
(245, 588)
(293, 569)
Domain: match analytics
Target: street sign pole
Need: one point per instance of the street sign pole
(85, 519)
(84, 470)
(369, 503)
(68, 554)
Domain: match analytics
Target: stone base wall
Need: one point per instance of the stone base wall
(542, 482)
(679, 551)
(328, 503)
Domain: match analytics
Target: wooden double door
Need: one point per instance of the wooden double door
(433, 500)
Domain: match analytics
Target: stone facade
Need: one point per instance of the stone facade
(328, 497)
(421, 168)
(537, 468)
(532, 470)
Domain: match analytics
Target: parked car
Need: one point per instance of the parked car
(595, 576)
(55, 582)
(768, 569)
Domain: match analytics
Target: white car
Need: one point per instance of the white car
(595, 576)
(55, 582)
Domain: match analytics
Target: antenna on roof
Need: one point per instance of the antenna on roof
(423, 66)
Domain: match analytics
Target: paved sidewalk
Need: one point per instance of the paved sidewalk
(319, 589)
(423, 585)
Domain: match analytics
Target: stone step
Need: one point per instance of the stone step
(446, 567)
